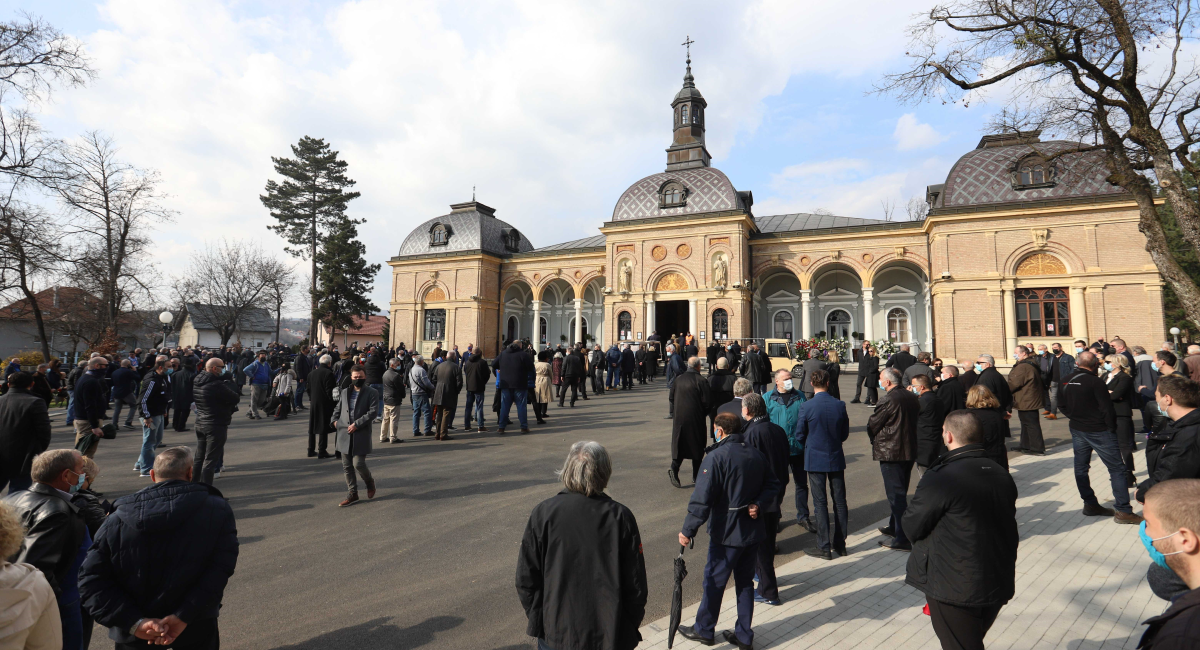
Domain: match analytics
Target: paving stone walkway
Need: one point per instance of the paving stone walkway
(1081, 582)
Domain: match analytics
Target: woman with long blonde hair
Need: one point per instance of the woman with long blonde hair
(1120, 388)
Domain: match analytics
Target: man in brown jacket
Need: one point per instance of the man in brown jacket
(893, 432)
(1028, 396)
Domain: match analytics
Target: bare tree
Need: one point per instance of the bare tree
(281, 287)
(916, 208)
(111, 207)
(1112, 74)
(889, 207)
(224, 282)
(28, 238)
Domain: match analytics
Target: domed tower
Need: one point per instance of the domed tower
(687, 147)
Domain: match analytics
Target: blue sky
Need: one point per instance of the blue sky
(550, 109)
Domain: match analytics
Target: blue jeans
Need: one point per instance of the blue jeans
(72, 623)
(475, 407)
(302, 385)
(508, 397)
(896, 476)
(420, 404)
(722, 561)
(378, 388)
(129, 400)
(71, 407)
(836, 482)
(614, 377)
(1105, 444)
(800, 478)
(151, 437)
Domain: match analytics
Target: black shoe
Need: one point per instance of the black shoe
(816, 552)
(892, 545)
(1023, 450)
(887, 531)
(689, 633)
(396, 441)
(500, 431)
(674, 476)
(337, 454)
(854, 401)
(524, 430)
(324, 455)
(732, 639)
(841, 550)
(807, 524)
(1096, 510)
(1035, 453)
(312, 454)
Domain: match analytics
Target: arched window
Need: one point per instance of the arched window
(696, 115)
(898, 325)
(513, 328)
(720, 324)
(672, 194)
(783, 324)
(542, 330)
(837, 324)
(1043, 312)
(1032, 172)
(512, 240)
(439, 234)
(685, 114)
(435, 324)
(624, 325)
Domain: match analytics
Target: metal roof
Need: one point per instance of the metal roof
(595, 241)
(803, 221)
(254, 319)
(985, 175)
(472, 227)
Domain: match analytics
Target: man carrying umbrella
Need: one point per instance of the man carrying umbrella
(734, 484)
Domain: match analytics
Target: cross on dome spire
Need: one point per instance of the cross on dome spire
(687, 78)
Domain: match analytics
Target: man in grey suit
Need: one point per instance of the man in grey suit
(352, 416)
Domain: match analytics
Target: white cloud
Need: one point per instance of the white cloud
(911, 134)
(847, 187)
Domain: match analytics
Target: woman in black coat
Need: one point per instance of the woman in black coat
(871, 362)
(1120, 389)
(987, 410)
(835, 371)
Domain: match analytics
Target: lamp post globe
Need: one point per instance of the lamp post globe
(166, 317)
(1175, 334)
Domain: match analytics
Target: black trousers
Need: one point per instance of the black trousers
(859, 382)
(597, 381)
(575, 383)
(210, 453)
(678, 462)
(764, 563)
(831, 530)
(872, 384)
(1126, 443)
(641, 372)
(198, 635)
(626, 379)
(318, 442)
(180, 417)
(962, 628)
(1031, 431)
(896, 477)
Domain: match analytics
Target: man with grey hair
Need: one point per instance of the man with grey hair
(158, 569)
(581, 576)
(393, 395)
(321, 385)
(91, 403)
(741, 388)
(991, 378)
(421, 390)
(892, 429)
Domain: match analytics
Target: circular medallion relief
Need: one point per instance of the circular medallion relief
(537, 276)
(683, 251)
(867, 257)
(658, 253)
(578, 274)
(804, 261)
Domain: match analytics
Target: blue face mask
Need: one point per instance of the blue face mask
(978, 368)
(1159, 557)
(1108, 366)
(79, 484)
(1154, 366)
(881, 385)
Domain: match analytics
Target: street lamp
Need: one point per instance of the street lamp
(1175, 332)
(166, 318)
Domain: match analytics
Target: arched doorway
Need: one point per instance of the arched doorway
(776, 304)
(720, 324)
(838, 324)
(514, 329)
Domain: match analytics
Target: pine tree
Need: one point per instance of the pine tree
(310, 204)
(344, 279)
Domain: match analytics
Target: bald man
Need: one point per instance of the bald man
(216, 400)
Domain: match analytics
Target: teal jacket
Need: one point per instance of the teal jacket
(785, 415)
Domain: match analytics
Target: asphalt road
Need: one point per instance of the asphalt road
(430, 562)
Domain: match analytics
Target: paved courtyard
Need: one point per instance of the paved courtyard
(430, 562)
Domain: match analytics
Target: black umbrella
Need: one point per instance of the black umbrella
(677, 595)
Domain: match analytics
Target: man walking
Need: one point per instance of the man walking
(24, 432)
(124, 392)
(259, 373)
(1028, 397)
(393, 383)
(158, 569)
(447, 385)
(893, 432)
(769, 439)
(156, 389)
(1086, 402)
(421, 390)
(962, 522)
(515, 366)
(320, 398)
(215, 400)
(572, 375)
(91, 404)
(821, 429)
(353, 416)
(689, 429)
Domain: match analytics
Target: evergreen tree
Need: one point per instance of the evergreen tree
(344, 279)
(310, 203)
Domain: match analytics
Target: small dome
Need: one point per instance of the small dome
(708, 190)
(469, 226)
(986, 174)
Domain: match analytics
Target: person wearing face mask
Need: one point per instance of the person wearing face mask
(1178, 454)
(1171, 535)
(929, 422)
(56, 536)
(352, 416)
(1080, 348)
(1063, 366)
(1120, 390)
(1028, 396)
(962, 521)
(783, 404)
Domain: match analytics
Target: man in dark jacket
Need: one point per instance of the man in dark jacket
(950, 391)
(596, 370)
(813, 363)
(24, 432)
(152, 407)
(447, 384)
(613, 360)
(476, 377)
(514, 367)
(181, 395)
(1062, 368)
(711, 354)
(573, 370)
(720, 388)
(628, 367)
(991, 378)
(921, 367)
(1179, 456)
(893, 432)
(640, 358)
(1028, 398)
(158, 568)
(676, 366)
(302, 367)
(770, 439)
(753, 368)
(1172, 538)
(962, 522)
(929, 422)
(901, 360)
(124, 392)
(374, 366)
(91, 404)
(821, 428)
(393, 394)
(581, 576)
(689, 433)
(1086, 402)
(216, 400)
(735, 488)
(860, 379)
(320, 399)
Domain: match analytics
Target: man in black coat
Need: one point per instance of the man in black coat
(732, 492)
(1179, 456)
(476, 377)
(24, 432)
(216, 400)
(901, 360)
(302, 367)
(159, 565)
(861, 378)
(711, 354)
(91, 403)
(596, 370)
(573, 371)
(513, 368)
(929, 422)
(689, 428)
(640, 358)
(720, 388)
(320, 398)
(950, 390)
(770, 439)
(892, 429)
(991, 379)
(181, 395)
(753, 368)
(628, 367)
(962, 522)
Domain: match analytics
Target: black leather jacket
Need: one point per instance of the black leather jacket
(54, 530)
(215, 400)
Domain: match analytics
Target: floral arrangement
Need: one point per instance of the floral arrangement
(885, 347)
(805, 347)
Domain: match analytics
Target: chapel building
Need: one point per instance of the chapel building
(1019, 245)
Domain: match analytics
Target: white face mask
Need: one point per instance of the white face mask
(787, 385)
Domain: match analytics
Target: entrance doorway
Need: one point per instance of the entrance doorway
(671, 318)
(838, 324)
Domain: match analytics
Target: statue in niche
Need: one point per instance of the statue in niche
(720, 272)
(625, 279)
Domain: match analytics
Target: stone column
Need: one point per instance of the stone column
(928, 321)
(537, 326)
(649, 317)
(1010, 321)
(868, 326)
(578, 321)
(692, 318)
(806, 330)
(418, 335)
(1079, 328)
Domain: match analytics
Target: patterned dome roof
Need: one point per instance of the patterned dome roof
(709, 190)
(984, 175)
(472, 227)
